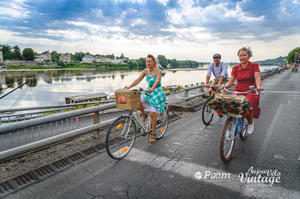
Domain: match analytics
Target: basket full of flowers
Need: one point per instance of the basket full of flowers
(230, 105)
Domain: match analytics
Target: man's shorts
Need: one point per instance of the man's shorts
(216, 81)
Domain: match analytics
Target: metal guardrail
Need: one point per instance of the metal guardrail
(186, 96)
(30, 115)
(56, 106)
(19, 137)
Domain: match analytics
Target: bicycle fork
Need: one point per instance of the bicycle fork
(236, 125)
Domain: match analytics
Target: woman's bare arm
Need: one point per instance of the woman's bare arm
(258, 81)
(138, 80)
(230, 82)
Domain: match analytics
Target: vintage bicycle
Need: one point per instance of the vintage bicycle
(235, 126)
(122, 133)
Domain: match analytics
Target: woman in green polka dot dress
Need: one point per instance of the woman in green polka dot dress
(156, 98)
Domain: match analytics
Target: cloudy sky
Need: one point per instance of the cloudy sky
(181, 29)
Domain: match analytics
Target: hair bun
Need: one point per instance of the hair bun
(250, 51)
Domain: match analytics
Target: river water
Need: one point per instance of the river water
(51, 87)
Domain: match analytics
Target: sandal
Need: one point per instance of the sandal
(152, 139)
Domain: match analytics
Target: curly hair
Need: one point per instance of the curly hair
(247, 49)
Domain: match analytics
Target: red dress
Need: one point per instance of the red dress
(245, 78)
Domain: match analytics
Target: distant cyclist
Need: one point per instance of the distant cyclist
(219, 69)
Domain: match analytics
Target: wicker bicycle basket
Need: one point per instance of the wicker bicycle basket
(227, 98)
(128, 99)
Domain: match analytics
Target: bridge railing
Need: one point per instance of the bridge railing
(24, 136)
(19, 114)
(187, 96)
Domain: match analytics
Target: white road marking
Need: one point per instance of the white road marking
(265, 144)
(192, 170)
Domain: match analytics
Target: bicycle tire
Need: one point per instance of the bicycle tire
(162, 127)
(206, 109)
(226, 155)
(114, 137)
(243, 133)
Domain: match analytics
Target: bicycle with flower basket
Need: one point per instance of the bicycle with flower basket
(236, 108)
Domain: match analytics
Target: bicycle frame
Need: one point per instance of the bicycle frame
(237, 124)
(139, 121)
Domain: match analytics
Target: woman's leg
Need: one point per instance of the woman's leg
(142, 111)
(153, 117)
(250, 118)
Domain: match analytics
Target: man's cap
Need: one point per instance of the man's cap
(217, 55)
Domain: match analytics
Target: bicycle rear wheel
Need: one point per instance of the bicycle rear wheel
(162, 124)
(120, 137)
(207, 114)
(244, 131)
(227, 141)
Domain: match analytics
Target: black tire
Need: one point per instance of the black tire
(117, 146)
(243, 133)
(227, 143)
(162, 125)
(207, 114)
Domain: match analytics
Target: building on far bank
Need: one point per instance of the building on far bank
(44, 56)
(99, 59)
(65, 57)
(88, 59)
(1, 57)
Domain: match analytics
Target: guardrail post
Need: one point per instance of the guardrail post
(186, 92)
(200, 89)
(96, 133)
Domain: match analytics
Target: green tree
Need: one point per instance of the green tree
(132, 65)
(28, 54)
(141, 63)
(291, 58)
(173, 63)
(17, 53)
(54, 56)
(6, 51)
(162, 60)
(122, 56)
(77, 57)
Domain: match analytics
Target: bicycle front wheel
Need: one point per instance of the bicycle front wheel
(120, 137)
(162, 124)
(207, 114)
(227, 141)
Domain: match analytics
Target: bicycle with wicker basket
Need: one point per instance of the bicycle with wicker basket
(236, 108)
(122, 133)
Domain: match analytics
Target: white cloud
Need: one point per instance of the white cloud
(296, 2)
(189, 13)
(164, 2)
(15, 9)
(95, 28)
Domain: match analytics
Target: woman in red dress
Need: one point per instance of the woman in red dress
(247, 74)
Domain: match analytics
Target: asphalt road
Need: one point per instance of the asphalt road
(167, 169)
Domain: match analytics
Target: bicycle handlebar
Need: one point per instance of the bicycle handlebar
(252, 88)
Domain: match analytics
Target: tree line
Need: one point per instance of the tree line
(14, 53)
(28, 54)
